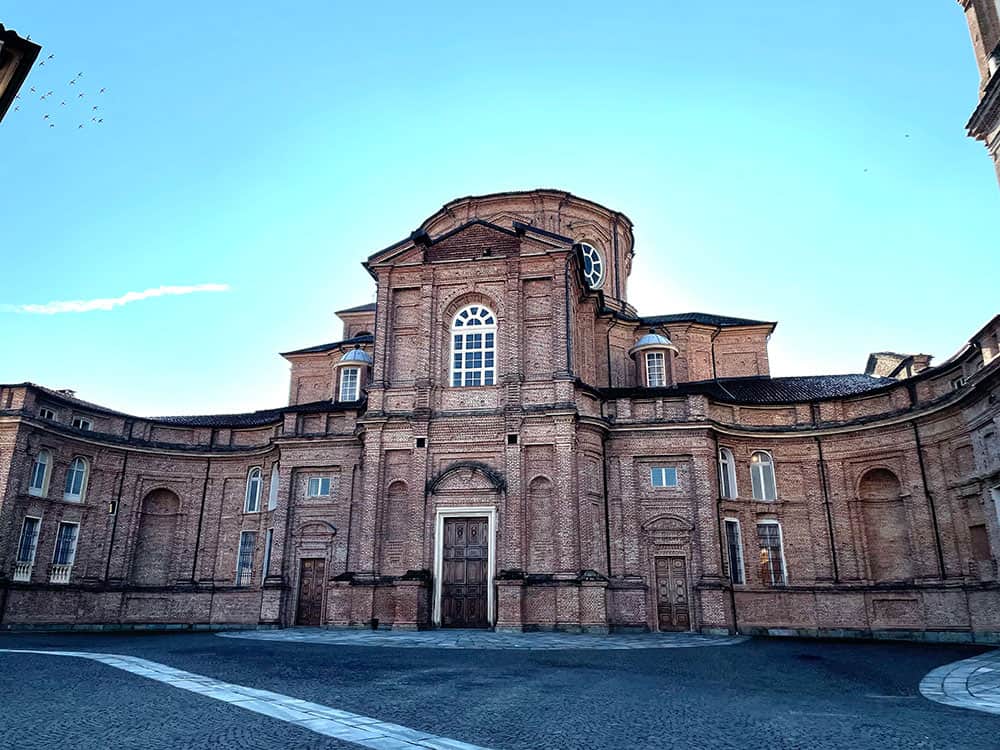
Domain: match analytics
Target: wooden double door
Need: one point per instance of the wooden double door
(672, 606)
(310, 607)
(465, 553)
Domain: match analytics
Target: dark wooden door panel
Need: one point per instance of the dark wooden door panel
(310, 608)
(672, 606)
(463, 573)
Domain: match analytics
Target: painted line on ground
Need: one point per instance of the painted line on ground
(972, 683)
(332, 722)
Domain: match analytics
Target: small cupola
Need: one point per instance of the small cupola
(357, 357)
(353, 373)
(653, 355)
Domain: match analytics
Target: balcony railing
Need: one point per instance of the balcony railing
(244, 576)
(22, 571)
(60, 573)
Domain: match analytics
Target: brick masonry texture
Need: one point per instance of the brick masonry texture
(886, 491)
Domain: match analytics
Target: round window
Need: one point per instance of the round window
(593, 265)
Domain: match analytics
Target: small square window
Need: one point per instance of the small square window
(319, 487)
(80, 423)
(512, 439)
(421, 442)
(663, 476)
(47, 414)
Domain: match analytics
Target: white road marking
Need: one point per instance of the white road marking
(332, 722)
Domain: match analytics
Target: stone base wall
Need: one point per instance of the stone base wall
(77, 607)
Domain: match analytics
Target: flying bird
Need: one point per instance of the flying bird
(80, 95)
(73, 82)
(41, 63)
(101, 120)
(52, 124)
(32, 90)
(62, 104)
(79, 126)
(79, 75)
(45, 117)
(101, 91)
(93, 108)
(16, 108)
(50, 57)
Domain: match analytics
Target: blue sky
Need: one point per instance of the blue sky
(805, 163)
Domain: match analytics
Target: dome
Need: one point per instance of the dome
(357, 356)
(653, 340)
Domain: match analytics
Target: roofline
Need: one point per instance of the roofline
(555, 192)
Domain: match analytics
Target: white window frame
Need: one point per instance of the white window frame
(470, 321)
(43, 490)
(62, 576)
(727, 474)
(272, 488)
(757, 466)
(592, 254)
(350, 389)
(265, 566)
(664, 472)
(319, 479)
(82, 423)
(71, 474)
(251, 499)
(739, 549)
(34, 543)
(781, 548)
(47, 414)
(244, 573)
(660, 368)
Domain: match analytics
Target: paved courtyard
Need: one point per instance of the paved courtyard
(461, 691)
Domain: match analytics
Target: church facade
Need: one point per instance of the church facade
(502, 440)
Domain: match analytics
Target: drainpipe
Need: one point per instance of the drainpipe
(569, 340)
(114, 521)
(722, 542)
(201, 516)
(824, 484)
(930, 500)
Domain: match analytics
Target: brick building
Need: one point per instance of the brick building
(503, 440)
(983, 17)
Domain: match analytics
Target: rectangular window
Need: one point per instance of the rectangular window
(65, 551)
(772, 558)
(29, 540)
(39, 469)
(244, 563)
(734, 551)
(980, 542)
(655, 372)
(349, 384)
(318, 487)
(82, 424)
(268, 538)
(663, 476)
(47, 414)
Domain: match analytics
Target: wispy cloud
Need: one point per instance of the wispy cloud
(109, 303)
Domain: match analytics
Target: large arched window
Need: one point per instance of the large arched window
(76, 480)
(41, 469)
(473, 347)
(252, 504)
(727, 474)
(762, 476)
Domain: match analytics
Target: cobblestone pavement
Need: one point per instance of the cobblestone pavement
(485, 639)
(971, 683)
(766, 694)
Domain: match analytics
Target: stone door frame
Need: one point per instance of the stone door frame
(467, 511)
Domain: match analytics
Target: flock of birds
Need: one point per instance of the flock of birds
(73, 104)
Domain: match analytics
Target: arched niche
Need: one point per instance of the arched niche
(159, 514)
(887, 533)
